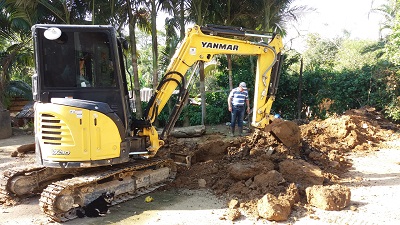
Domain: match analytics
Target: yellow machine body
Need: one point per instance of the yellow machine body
(68, 133)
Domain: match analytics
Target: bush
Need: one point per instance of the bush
(216, 111)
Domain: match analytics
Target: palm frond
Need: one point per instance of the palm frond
(52, 8)
(17, 88)
(142, 17)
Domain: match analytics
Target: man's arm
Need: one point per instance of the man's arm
(230, 102)
(248, 105)
(247, 102)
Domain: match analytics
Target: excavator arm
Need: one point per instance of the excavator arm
(201, 44)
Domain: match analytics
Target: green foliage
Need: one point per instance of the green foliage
(351, 55)
(286, 96)
(343, 74)
(243, 70)
(392, 47)
(216, 110)
(325, 92)
(19, 88)
(321, 53)
(393, 109)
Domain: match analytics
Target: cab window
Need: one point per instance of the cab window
(78, 60)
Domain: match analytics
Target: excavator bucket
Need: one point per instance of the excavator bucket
(286, 132)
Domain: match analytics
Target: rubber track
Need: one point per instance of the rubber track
(49, 195)
(8, 174)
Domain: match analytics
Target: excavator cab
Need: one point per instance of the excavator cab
(80, 64)
(81, 110)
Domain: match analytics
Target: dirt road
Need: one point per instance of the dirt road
(374, 191)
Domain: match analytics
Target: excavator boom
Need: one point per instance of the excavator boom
(201, 44)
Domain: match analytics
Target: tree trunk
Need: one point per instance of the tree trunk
(136, 84)
(182, 19)
(186, 118)
(229, 58)
(154, 47)
(5, 124)
(267, 15)
(5, 119)
(154, 43)
(192, 131)
(202, 93)
(299, 103)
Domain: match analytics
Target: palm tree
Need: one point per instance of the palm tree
(198, 12)
(56, 11)
(138, 16)
(152, 8)
(182, 18)
(14, 49)
(177, 9)
(389, 11)
(171, 42)
(16, 44)
(274, 14)
(229, 13)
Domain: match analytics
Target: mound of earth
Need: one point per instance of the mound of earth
(258, 168)
(357, 130)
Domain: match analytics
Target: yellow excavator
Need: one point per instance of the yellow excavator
(86, 140)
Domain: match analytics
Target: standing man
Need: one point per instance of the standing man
(236, 105)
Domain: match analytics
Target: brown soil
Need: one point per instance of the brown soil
(247, 168)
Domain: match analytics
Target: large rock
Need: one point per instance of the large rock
(301, 173)
(334, 197)
(288, 132)
(271, 178)
(271, 208)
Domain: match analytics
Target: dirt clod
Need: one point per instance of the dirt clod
(14, 154)
(272, 208)
(233, 214)
(301, 172)
(233, 204)
(333, 197)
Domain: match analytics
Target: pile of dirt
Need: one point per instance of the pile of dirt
(249, 169)
(357, 130)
